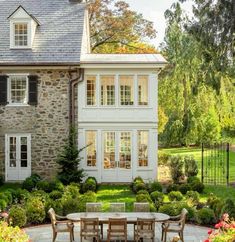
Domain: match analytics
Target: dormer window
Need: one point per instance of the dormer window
(22, 29)
(21, 34)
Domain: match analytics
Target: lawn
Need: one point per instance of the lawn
(196, 153)
(115, 193)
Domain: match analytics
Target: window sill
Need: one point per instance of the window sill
(91, 168)
(118, 107)
(17, 105)
(144, 169)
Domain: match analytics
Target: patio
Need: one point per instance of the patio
(43, 233)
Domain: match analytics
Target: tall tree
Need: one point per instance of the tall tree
(115, 26)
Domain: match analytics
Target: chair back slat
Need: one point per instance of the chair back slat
(117, 207)
(52, 216)
(141, 207)
(93, 207)
(89, 224)
(146, 224)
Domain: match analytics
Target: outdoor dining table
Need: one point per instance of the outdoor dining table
(131, 216)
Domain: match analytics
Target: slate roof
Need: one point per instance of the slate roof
(57, 40)
(123, 59)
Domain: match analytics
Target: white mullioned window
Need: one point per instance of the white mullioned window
(18, 89)
(91, 90)
(91, 154)
(20, 34)
(143, 148)
(126, 90)
(107, 85)
(125, 150)
(142, 90)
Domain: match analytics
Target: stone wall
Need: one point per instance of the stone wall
(47, 122)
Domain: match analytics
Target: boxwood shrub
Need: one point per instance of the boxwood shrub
(184, 188)
(172, 187)
(206, 216)
(17, 216)
(154, 186)
(143, 192)
(143, 198)
(197, 186)
(193, 197)
(192, 179)
(55, 195)
(175, 196)
(157, 198)
(90, 184)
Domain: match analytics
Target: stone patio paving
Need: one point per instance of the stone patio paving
(44, 233)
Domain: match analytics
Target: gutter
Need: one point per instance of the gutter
(72, 83)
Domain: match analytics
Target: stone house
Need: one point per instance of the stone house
(49, 79)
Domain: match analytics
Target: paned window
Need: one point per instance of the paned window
(91, 149)
(18, 90)
(107, 90)
(125, 150)
(143, 90)
(143, 148)
(91, 90)
(126, 87)
(21, 34)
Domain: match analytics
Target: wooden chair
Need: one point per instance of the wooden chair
(117, 229)
(117, 207)
(60, 226)
(90, 229)
(175, 225)
(144, 229)
(95, 208)
(141, 207)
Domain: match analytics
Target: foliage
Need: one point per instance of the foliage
(163, 119)
(143, 192)
(11, 234)
(172, 187)
(163, 158)
(192, 179)
(3, 204)
(28, 184)
(69, 161)
(57, 205)
(139, 186)
(56, 185)
(88, 197)
(193, 197)
(70, 205)
(157, 198)
(21, 195)
(206, 216)
(154, 186)
(190, 166)
(184, 188)
(176, 168)
(17, 216)
(44, 185)
(90, 184)
(197, 186)
(143, 198)
(55, 195)
(35, 210)
(229, 208)
(1, 180)
(72, 190)
(115, 28)
(175, 196)
(224, 231)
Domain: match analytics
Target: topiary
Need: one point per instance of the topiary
(44, 186)
(172, 187)
(154, 186)
(36, 178)
(55, 195)
(56, 185)
(72, 190)
(139, 186)
(193, 197)
(184, 188)
(206, 216)
(169, 209)
(175, 196)
(197, 186)
(28, 184)
(192, 179)
(17, 216)
(190, 166)
(143, 192)
(90, 184)
(176, 168)
(35, 210)
(138, 179)
(157, 198)
(143, 198)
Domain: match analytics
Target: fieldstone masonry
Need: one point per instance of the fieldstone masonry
(48, 122)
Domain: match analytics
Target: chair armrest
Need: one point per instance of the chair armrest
(60, 217)
(175, 217)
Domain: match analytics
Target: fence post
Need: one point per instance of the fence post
(202, 171)
(227, 164)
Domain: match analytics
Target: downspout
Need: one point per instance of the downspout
(72, 83)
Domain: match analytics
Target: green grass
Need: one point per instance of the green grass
(9, 185)
(115, 193)
(196, 153)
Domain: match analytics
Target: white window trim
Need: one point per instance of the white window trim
(96, 147)
(12, 33)
(148, 166)
(9, 90)
(96, 90)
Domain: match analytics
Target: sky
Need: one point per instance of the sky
(153, 10)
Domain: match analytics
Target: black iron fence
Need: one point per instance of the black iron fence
(216, 167)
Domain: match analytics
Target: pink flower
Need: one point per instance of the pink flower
(207, 240)
(210, 231)
(219, 225)
(4, 214)
(225, 217)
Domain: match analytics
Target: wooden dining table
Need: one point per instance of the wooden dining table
(131, 216)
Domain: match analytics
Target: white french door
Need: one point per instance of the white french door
(117, 156)
(18, 157)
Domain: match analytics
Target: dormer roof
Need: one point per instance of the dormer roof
(17, 14)
(57, 39)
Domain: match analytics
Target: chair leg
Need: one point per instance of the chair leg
(165, 235)
(182, 236)
(71, 236)
(54, 236)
